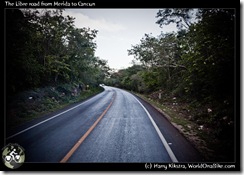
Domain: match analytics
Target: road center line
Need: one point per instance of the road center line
(71, 152)
(18, 133)
(168, 149)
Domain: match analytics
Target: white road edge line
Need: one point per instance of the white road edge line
(168, 149)
(18, 133)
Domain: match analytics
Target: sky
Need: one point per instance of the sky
(118, 30)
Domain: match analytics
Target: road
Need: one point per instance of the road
(113, 126)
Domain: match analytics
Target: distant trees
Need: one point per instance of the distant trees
(43, 48)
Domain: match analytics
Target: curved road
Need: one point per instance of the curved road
(113, 126)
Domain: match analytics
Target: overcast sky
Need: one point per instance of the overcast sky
(118, 29)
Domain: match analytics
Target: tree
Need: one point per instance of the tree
(161, 57)
(210, 62)
(22, 68)
(182, 17)
(44, 48)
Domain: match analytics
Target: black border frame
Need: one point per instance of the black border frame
(140, 167)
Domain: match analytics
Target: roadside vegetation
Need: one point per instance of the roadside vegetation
(189, 74)
(49, 63)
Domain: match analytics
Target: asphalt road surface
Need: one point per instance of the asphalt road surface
(113, 126)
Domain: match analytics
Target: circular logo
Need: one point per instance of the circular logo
(13, 156)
